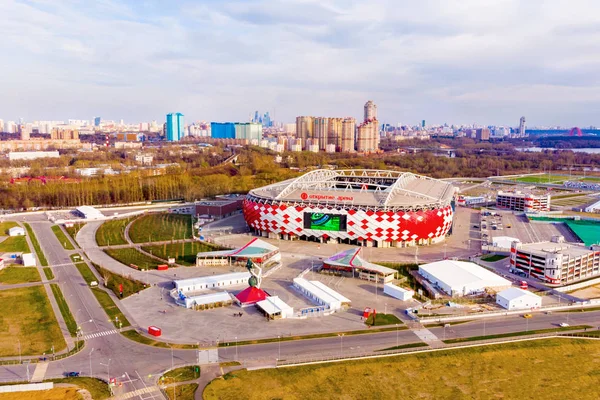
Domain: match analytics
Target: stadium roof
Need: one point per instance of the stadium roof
(255, 248)
(360, 187)
(350, 258)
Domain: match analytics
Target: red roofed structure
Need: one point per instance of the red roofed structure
(250, 296)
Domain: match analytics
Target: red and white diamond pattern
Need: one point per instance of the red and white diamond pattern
(361, 225)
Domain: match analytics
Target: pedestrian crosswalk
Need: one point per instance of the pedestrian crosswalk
(147, 390)
(99, 334)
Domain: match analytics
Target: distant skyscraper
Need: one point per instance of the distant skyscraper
(320, 132)
(304, 129)
(370, 111)
(256, 118)
(97, 121)
(174, 127)
(346, 141)
(423, 124)
(522, 127)
(1, 125)
(266, 121)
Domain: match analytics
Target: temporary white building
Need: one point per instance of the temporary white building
(16, 231)
(461, 278)
(396, 291)
(518, 299)
(89, 212)
(211, 282)
(321, 294)
(28, 260)
(275, 308)
(205, 299)
(504, 241)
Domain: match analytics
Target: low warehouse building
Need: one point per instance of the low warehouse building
(396, 291)
(518, 299)
(461, 278)
(88, 212)
(275, 308)
(321, 294)
(28, 260)
(203, 301)
(211, 282)
(16, 231)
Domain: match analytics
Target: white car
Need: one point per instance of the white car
(563, 325)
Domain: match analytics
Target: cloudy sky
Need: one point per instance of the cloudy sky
(464, 61)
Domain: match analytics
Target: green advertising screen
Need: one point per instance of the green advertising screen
(325, 222)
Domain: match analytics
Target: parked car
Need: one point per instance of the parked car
(563, 325)
(527, 316)
(72, 374)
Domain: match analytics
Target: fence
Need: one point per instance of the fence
(26, 387)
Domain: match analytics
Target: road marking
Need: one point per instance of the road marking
(138, 392)
(100, 334)
(40, 372)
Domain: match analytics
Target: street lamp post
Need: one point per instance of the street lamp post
(236, 350)
(171, 357)
(279, 352)
(397, 331)
(341, 335)
(19, 342)
(483, 326)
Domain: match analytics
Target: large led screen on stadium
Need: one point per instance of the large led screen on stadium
(324, 222)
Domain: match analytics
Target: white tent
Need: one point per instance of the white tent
(28, 260)
(518, 299)
(16, 231)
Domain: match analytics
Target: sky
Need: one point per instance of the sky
(457, 62)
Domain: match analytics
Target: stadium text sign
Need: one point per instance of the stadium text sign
(306, 196)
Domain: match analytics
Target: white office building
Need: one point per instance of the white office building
(518, 299)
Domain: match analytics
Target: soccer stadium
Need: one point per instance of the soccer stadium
(360, 207)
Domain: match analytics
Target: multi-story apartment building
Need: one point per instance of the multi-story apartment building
(527, 202)
(556, 262)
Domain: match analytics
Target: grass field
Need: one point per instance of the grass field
(86, 272)
(512, 334)
(110, 308)
(97, 388)
(182, 392)
(184, 253)
(182, 374)
(58, 393)
(405, 346)
(72, 231)
(62, 238)
(511, 371)
(49, 274)
(14, 275)
(161, 227)
(64, 309)
(27, 316)
(14, 244)
(36, 246)
(5, 226)
(112, 232)
(112, 281)
(493, 258)
(130, 256)
(556, 179)
(382, 319)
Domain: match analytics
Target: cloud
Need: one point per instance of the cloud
(445, 61)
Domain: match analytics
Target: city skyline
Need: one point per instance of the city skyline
(456, 63)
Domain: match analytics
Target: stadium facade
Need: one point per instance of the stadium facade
(360, 207)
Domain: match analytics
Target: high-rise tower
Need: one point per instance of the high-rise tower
(174, 127)
(370, 111)
(522, 127)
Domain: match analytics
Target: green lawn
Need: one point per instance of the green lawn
(110, 308)
(533, 370)
(557, 179)
(72, 231)
(64, 309)
(182, 392)
(49, 274)
(14, 244)
(493, 258)
(184, 253)
(130, 256)
(5, 226)
(182, 374)
(14, 275)
(62, 238)
(86, 272)
(161, 227)
(36, 246)
(27, 316)
(112, 281)
(112, 232)
(97, 388)
(382, 319)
